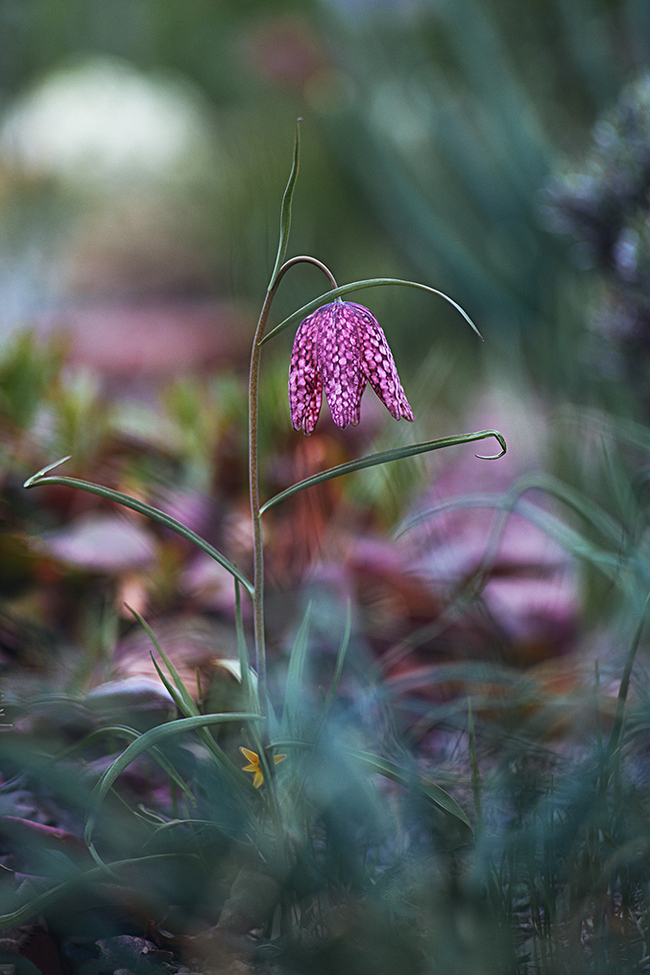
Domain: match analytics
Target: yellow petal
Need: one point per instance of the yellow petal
(252, 757)
(279, 758)
(259, 778)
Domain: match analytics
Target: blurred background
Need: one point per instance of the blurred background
(497, 151)
(494, 149)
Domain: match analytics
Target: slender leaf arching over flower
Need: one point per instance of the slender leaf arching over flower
(340, 348)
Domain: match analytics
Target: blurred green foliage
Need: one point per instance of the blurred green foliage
(432, 164)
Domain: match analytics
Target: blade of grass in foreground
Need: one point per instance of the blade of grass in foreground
(145, 742)
(340, 659)
(123, 731)
(609, 563)
(434, 793)
(382, 766)
(250, 690)
(39, 904)
(385, 457)
(612, 530)
(294, 690)
(144, 509)
(183, 699)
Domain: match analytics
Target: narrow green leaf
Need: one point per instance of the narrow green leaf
(171, 690)
(434, 793)
(338, 670)
(191, 711)
(250, 693)
(144, 509)
(188, 707)
(39, 904)
(285, 210)
(345, 289)
(45, 470)
(385, 457)
(610, 563)
(147, 741)
(183, 699)
(293, 686)
(273, 721)
(124, 731)
(618, 723)
(476, 774)
(390, 770)
(591, 512)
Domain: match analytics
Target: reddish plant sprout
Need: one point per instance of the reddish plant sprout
(341, 348)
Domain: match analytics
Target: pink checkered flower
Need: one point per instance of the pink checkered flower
(341, 348)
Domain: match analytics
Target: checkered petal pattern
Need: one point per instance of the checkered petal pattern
(341, 348)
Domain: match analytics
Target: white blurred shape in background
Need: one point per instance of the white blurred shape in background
(102, 120)
(99, 153)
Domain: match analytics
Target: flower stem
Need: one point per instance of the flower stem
(305, 259)
(254, 489)
(253, 467)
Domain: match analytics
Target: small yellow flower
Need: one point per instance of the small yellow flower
(254, 764)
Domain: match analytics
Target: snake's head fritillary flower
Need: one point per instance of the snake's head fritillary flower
(341, 348)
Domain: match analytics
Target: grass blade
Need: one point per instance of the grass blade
(343, 649)
(434, 793)
(609, 562)
(250, 692)
(39, 904)
(381, 766)
(174, 694)
(476, 775)
(150, 738)
(385, 457)
(345, 289)
(616, 733)
(182, 698)
(124, 731)
(293, 687)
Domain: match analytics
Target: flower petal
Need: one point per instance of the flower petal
(305, 385)
(338, 348)
(259, 778)
(378, 366)
(252, 757)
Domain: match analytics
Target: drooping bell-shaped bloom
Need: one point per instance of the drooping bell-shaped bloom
(340, 348)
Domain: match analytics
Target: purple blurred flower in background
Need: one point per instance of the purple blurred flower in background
(341, 347)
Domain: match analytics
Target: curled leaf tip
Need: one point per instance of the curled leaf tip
(502, 443)
(45, 470)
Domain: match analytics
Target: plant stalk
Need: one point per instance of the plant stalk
(253, 468)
